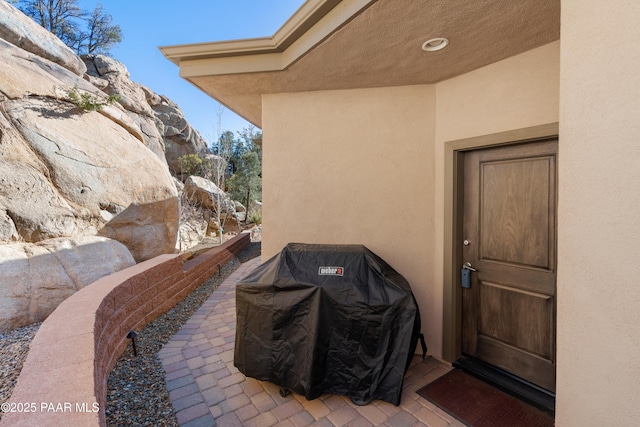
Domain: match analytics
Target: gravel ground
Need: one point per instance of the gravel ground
(137, 393)
(14, 346)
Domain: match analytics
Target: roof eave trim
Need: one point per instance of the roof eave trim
(312, 23)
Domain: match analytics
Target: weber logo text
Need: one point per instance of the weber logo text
(331, 271)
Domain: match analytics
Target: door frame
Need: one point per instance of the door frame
(453, 193)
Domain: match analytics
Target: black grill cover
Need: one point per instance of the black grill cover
(335, 319)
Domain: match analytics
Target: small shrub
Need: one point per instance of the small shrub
(89, 102)
(255, 218)
(190, 164)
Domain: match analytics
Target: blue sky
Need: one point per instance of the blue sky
(147, 24)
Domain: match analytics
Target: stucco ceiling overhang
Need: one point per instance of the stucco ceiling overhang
(349, 44)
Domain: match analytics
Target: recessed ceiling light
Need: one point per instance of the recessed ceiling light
(435, 44)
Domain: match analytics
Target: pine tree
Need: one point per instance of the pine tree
(85, 32)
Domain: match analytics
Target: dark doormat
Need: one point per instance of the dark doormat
(478, 404)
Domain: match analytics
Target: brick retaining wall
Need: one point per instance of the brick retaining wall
(66, 371)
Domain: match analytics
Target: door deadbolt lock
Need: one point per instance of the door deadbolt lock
(466, 242)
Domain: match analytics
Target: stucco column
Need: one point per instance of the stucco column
(599, 214)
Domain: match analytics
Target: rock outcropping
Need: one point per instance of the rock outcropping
(179, 137)
(209, 198)
(36, 278)
(68, 172)
(163, 125)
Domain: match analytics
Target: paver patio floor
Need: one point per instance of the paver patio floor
(207, 390)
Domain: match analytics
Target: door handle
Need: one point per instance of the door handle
(465, 275)
(467, 266)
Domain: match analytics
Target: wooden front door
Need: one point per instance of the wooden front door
(509, 230)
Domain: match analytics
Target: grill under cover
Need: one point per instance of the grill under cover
(327, 319)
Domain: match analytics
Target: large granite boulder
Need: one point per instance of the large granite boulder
(206, 194)
(114, 79)
(21, 31)
(68, 172)
(210, 199)
(36, 278)
(83, 193)
(193, 227)
(164, 128)
(179, 137)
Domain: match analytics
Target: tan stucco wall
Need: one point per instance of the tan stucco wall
(367, 166)
(354, 167)
(598, 380)
(512, 94)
